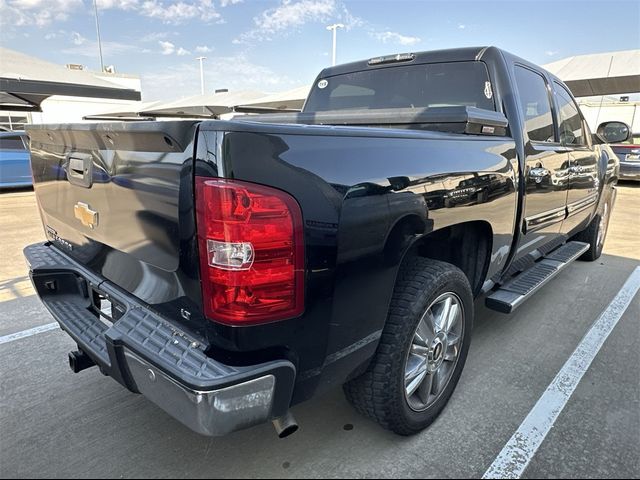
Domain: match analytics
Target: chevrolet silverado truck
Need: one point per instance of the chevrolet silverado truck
(229, 270)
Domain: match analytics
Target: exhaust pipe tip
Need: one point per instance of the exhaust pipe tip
(285, 425)
(79, 361)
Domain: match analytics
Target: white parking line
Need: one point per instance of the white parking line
(520, 449)
(28, 333)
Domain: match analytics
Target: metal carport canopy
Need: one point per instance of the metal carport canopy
(599, 73)
(25, 82)
(291, 100)
(130, 112)
(207, 105)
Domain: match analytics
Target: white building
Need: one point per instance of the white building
(58, 109)
(606, 109)
(601, 81)
(28, 84)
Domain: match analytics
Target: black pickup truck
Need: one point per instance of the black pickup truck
(228, 270)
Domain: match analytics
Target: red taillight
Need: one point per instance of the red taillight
(251, 252)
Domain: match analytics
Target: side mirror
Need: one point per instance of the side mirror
(613, 132)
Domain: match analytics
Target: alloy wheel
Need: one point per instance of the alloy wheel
(434, 351)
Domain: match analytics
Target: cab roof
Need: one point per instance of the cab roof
(432, 56)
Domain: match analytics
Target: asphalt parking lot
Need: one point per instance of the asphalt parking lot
(57, 424)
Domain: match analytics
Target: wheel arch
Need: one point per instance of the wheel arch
(466, 245)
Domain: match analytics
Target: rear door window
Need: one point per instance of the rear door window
(570, 121)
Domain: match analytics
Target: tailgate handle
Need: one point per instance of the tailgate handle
(80, 169)
(76, 166)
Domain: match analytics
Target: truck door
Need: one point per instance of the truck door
(584, 182)
(546, 163)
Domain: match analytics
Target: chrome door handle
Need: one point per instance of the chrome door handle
(539, 172)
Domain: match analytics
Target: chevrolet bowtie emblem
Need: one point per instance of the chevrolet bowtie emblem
(88, 217)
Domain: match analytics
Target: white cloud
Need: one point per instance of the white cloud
(55, 5)
(393, 37)
(294, 14)
(226, 3)
(289, 15)
(78, 39)
(551, 53)
(119, 4)
(349, 20)
(167, 11)
(461, 26)
(168, 48)
(89, 49)
(203, 49)
(18, 13)
(178, 12)
(57, 34)
(154, 36)
(232, 72)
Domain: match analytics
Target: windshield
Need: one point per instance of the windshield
(412, 86)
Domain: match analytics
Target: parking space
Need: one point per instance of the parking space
(58, 424)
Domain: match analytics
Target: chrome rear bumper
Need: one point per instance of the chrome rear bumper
(212, 412)
(148, 354)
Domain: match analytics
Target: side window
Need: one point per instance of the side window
(535, 105)
(12, 143)
(571, 129)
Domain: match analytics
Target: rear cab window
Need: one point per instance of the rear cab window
(411, 86)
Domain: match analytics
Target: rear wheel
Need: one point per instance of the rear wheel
(596, 233)
(422, 350)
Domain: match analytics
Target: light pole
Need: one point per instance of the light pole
(335, 28)
(95, 9)
(201, 59)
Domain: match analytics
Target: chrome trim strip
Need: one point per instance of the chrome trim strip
(582, 203)
(481, 53)
(543, 219)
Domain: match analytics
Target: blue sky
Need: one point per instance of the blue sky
(275, 45)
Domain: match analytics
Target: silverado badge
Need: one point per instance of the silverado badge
(87, 217)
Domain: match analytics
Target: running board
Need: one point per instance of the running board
(513, 294)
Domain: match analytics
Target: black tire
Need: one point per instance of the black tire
(379, 393)
(591, 234)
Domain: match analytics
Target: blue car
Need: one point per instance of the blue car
(15, 168)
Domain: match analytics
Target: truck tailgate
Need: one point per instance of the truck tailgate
(118, 198)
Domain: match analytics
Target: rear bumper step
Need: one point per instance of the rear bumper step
(513, 294)
(149, 355)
